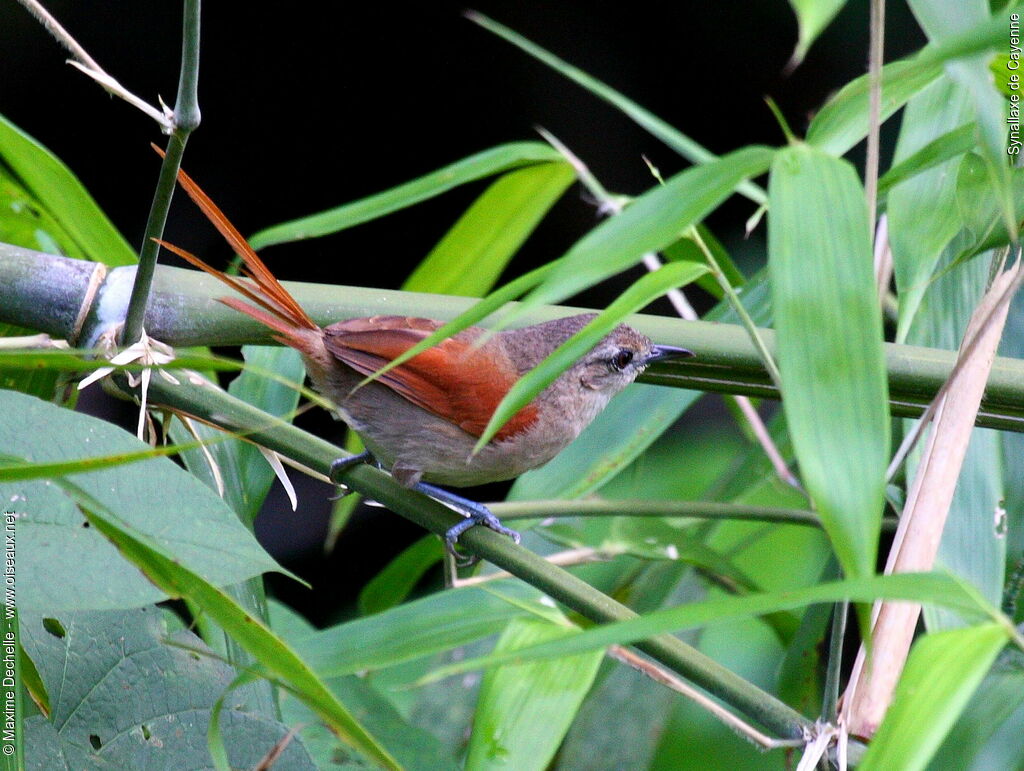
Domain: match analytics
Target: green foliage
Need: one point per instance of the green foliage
(834, 393)
(107, 527)
(129, 693)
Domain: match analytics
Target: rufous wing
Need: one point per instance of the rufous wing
(452, 380)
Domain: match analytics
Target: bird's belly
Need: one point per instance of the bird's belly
(398, 432)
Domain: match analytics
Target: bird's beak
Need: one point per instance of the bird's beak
(666, 352)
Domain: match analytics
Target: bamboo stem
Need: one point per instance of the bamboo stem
(184, 311)
(219, 407)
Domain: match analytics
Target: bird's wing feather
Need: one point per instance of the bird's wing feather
(452, 380)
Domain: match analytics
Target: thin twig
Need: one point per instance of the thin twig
(830, 695)
(85, 63)
(755, 336)
(661, 675)
(883, 259)
(876, 53)
(62, 36)
(186, 119)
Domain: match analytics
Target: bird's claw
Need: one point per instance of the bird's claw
(481, 516)
(339, 465)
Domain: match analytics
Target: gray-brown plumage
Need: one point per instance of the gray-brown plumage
(422, 419)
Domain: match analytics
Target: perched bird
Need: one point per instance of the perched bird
(422, 419)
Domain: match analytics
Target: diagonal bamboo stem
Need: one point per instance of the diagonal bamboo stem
(218, 407)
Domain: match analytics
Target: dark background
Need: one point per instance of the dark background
(309, 105)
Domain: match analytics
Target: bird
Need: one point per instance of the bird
(421, 420)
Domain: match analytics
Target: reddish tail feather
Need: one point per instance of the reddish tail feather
(280, 311)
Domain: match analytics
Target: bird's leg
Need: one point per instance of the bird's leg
(476, 514)
(339, 465)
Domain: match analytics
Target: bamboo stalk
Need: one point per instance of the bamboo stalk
(184, 311)
(217, 406)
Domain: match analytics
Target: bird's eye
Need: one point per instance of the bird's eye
(622, 359)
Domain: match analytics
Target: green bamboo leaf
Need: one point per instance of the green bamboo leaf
(651, 123)
(484, 164)
(277, 658)
(203, 533)
(1007, 77)
(646, 289)
(247, 475)
(990, 730)
(942, 19)
(394, 583)
(812, 17)
(923, 216)
(829, 345)
(843, 121)
(473, 254)
(942, 672)
(686, 249)
(945, 147)
(984, 226)
(26, 222)
(523, 713)
(414, 746)
(925, 588)
(405, 632)
(651, 222)
(63, 196)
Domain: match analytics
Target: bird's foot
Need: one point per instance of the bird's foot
(341, 464)
(475, 513)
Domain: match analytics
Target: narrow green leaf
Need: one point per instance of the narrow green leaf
(249, 632)
(651, 222)
(671, 136)
(686, 249)
(484, 164)
(604, 448)
(925, 588)
(471, 256)
(843, 121)
(26, 222)
(524, 712)
(990, 730)
(942, 672)
(646, 289)
(945, 147)
(405, 632)
(394, 583)
(942, 19)
(829, 345)
(56, 188)
(923, 215)
(812, 17)
(414, 746)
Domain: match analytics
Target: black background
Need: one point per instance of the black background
(309, 105)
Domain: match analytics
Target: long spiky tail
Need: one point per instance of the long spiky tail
(280, 311)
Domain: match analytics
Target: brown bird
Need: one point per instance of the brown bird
(422, 419)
